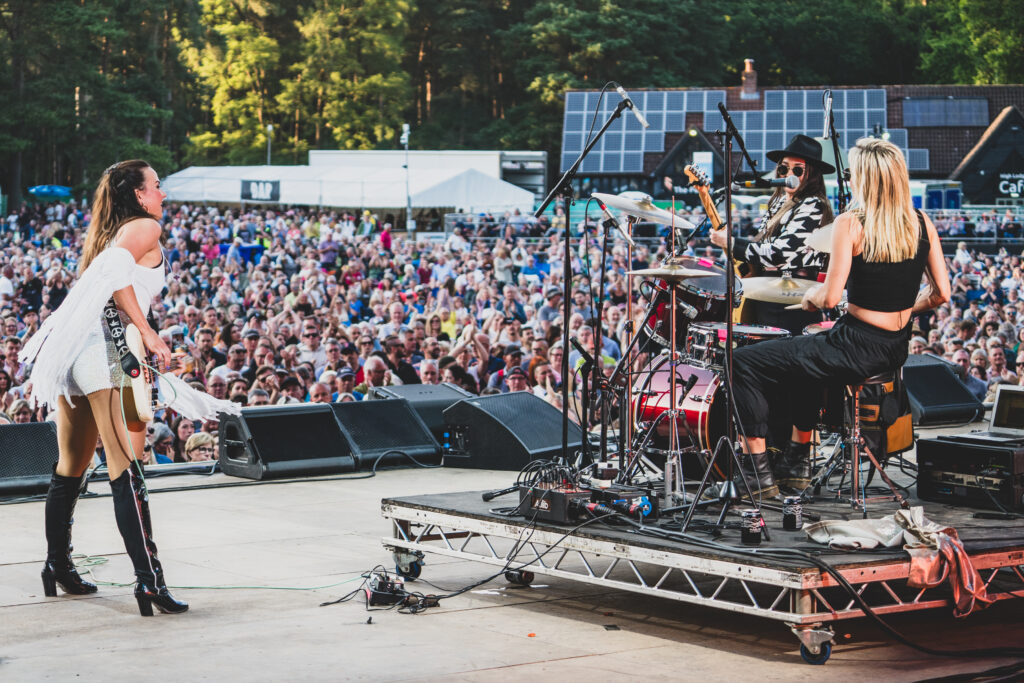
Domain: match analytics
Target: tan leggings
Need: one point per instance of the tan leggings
(97, 415)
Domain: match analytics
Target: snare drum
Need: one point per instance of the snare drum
(697, 299)
(705, 342)
(823, 326)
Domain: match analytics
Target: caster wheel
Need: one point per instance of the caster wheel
(820, 658)
(519, 577)
(412, 572)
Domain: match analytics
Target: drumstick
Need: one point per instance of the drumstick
(794, 307)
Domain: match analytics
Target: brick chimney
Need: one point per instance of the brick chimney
(749, 91)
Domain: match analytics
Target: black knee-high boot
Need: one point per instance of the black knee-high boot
(755, 468)
(131, 508)
(60, 511)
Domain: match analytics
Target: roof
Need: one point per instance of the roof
(1005, 116)
(353, 186)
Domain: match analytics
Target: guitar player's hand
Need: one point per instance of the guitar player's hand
(717, 238)
(156, 346)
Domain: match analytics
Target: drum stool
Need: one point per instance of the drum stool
(855, 449)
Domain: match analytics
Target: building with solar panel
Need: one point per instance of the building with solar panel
(935, 126)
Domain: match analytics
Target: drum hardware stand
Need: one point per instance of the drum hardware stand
(563, 189)
(727, 493)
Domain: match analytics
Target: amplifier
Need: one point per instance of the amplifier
(970, 474)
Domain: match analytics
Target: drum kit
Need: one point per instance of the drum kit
(684, 325)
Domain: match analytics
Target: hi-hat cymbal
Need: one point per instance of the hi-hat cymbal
(776, 290)
(643, 209)
(671, 272)
(821, 239)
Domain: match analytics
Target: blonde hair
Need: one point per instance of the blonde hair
(882, 194)
(200, 439)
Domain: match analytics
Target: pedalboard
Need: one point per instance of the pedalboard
(384, 589)
(561, 505)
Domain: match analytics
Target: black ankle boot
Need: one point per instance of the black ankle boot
(758, 473)
(131, 508)
(59, 567)
(793, 468)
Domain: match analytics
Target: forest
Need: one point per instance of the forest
(85, 83)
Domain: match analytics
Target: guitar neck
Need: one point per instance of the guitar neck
(709, 208)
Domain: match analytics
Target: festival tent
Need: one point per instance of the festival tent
(346, 187)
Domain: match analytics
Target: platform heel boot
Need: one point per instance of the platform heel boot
(793, 468)
(131, 509)
(756, 469)
(59, 568)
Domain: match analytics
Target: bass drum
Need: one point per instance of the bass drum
(702, 410)
(697, 299)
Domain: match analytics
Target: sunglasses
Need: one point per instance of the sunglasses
(784, 169)
(309, 334)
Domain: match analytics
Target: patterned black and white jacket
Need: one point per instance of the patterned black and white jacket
(787, 250)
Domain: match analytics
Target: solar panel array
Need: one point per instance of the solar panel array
(785, 113)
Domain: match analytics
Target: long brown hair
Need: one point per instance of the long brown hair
(113, 205)
(813, 185)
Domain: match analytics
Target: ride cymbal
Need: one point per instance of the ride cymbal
(642, 209)
(776, 290)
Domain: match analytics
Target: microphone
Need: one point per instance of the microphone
(625, 96)
(491, 495)
(725, 115)
(790, 181)
(689, 385)
(828, 113)
(610, 222)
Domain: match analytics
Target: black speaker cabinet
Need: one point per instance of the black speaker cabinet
(975, 475)
(386, 433)
(937, 396)
(297, 440)
(428, 400)
(505, 432)
(28, 453)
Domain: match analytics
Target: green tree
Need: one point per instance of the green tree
(980, 41)
(348, 82)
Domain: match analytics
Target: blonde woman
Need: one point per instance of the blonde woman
(201, 446)
(77, 373)
(880, 251)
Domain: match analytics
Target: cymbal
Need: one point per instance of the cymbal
(671, 272)
(821, 239)
(643, 209)
(776, 290)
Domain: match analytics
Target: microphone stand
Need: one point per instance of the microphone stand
(842, 197)
(727, 494)
(728, 162)
(563, 189)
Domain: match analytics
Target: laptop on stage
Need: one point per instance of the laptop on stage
(1007, 422)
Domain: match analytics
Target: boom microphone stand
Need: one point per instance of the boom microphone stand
(727, 494)
(563, 189)
(830, 132)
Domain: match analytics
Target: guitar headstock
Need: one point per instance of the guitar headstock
(696, 175)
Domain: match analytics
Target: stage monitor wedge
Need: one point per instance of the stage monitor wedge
(295, 440)
(386, 433)
(28, 453)
(937, 396)
(505, 432)
(428, 400)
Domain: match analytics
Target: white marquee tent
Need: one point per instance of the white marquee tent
(352, 187)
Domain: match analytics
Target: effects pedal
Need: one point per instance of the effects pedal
(383, 589)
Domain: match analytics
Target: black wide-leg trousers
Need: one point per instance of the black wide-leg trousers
(766, 373)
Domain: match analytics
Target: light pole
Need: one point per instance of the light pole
(270, 133)
(410, 224)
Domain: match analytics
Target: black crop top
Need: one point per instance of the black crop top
(888, 287)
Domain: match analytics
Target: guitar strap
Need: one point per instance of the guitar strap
(129, 363)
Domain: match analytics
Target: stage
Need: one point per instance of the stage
(317, 532)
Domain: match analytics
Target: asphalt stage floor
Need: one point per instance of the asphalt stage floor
(232, 552)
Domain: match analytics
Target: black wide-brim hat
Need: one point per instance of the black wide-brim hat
(805, 147)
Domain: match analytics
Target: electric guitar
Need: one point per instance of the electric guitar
(699, 180)
(144, 388)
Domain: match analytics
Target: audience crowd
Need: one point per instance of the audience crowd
(266, 306)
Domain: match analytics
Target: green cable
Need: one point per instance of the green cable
(86, 562)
